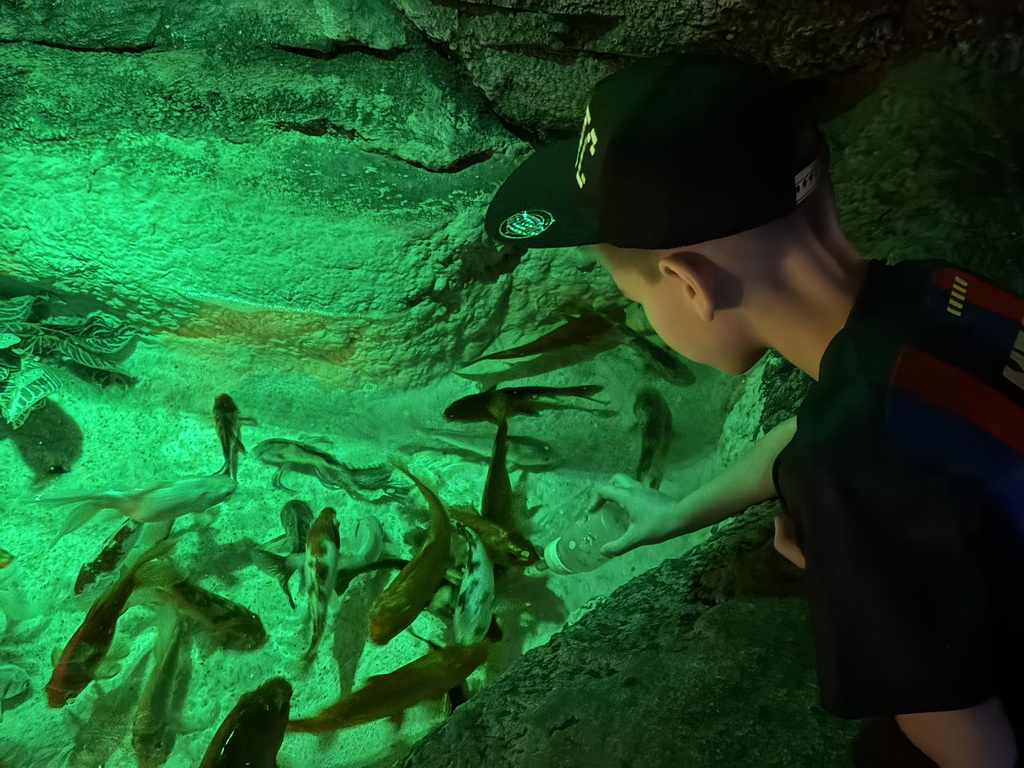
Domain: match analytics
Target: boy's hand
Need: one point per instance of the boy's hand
(785, 543)
(653, 516)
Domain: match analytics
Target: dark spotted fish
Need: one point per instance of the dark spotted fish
(229, 429)
(497, 404)
(577, 330)
(251, 734)
(655, 420)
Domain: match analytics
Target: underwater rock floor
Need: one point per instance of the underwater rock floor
(155, 431)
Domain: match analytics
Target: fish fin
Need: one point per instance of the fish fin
(106, 669)
(80, 515)
(274, 541)
(278, 567)
(397, 718)
(399, 462)
(276, 482)
(158, 573)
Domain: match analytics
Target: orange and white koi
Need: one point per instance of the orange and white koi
(474, 606)
(77, 665)
(321, 572)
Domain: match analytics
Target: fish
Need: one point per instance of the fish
(410, 592)
(158, 717)
(504, 547)
(13, 682)
(458, 695)
(364, 546)
(99, 736)
(575, 331)
(296, 518)
(164, 501)
(388, 696)
(655, 420)
(496, 504)
(253, 730)
(233, 626)
(524, 452)
(323, 546)
(667, 362)
(110, 555)
(474, 606)
(6, 558)
(291, 455)
(80, 661)
(496, 404)
(229, 429)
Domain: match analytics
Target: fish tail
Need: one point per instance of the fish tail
(84, 511)
(586, 391)
(158, 573)
(314, 639)
(276, 566)
(154, 577)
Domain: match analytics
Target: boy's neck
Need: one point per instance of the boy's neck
(811, 303)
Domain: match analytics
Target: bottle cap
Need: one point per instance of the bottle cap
(554, 562)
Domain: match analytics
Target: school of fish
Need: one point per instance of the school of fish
(466, 549)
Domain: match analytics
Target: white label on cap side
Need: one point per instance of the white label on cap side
(806, 180)
(588, 140)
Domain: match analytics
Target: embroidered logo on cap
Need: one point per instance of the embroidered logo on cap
(525, 224)
(588, 140)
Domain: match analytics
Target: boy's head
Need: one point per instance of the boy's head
(699, 168)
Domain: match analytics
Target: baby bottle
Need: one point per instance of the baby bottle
(578, 549)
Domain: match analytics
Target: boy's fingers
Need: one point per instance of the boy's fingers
(619, 546)
(608, 492)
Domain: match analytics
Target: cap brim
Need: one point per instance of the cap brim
(535, 206)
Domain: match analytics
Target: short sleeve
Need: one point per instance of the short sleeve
(899, 600)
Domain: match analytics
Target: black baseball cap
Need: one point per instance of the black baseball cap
(674, 150)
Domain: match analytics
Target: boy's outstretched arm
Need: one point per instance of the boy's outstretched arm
(976, 737)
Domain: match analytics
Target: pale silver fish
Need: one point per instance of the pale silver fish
(293, 456)
(158, 718)
(474, 606)
(161, 502)
(364, 546)
(524, 452)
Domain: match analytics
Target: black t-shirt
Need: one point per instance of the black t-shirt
(905, 483)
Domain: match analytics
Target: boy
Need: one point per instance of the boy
(703, 187)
